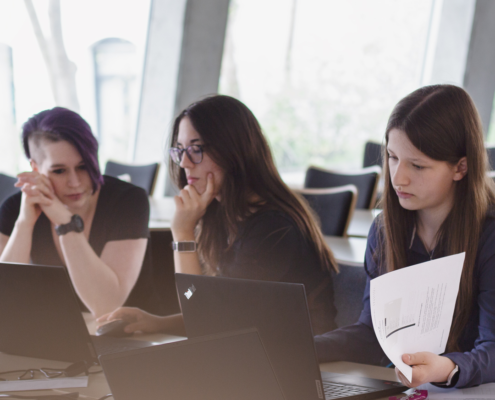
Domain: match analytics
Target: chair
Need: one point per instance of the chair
(348, 288)
(490, 151)
(372, 154)
(143, 176)
(7, 187)
(366, 180)
(333, 207)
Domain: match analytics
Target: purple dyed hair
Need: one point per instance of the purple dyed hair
(60, 124)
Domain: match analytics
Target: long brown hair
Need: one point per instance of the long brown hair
(442, 122)
(233, 139)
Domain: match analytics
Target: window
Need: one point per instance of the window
(82, 25)
(323, 76)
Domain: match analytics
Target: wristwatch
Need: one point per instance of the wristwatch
(76, 224)
(453, 377)
(186, 247)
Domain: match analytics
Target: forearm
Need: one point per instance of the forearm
(95, 282)
(173, 325)
(18, 246)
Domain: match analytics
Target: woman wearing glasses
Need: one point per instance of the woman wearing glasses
(67, 213)
(234, 215)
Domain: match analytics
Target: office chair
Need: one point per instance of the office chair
(490, 151)
(348, 289)
(372, 154)
(366, 180)
(143, 176)
(7, 187)
(333, 207)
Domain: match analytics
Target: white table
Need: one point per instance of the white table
(348, 251)
(361, 222)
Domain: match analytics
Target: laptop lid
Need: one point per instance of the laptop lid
(40, 314)
(279, 312)
(225, 366)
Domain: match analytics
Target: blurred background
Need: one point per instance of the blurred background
(322, 76)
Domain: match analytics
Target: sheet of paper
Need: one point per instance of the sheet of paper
(486, 391)
(39, 384)
(412, 308)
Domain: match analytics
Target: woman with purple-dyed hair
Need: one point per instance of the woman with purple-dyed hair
(68, 214)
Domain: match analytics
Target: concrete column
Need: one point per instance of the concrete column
(479, 77)
(182, 64)
(448, 42)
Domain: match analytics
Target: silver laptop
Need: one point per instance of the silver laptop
(280, 313)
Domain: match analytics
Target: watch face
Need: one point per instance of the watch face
(78, 223)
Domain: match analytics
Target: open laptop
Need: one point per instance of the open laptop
(279, 311)
(41, 318)
(226, 366)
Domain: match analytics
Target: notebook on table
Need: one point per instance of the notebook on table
(41, 317)
(280, 313)
(226, 366)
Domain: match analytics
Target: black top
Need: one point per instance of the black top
(269, 246)
(122, 212)
(358, 342)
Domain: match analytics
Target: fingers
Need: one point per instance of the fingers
(36, 181)
(127, 314)
(210, 188)
(402, 378)
(421, 358)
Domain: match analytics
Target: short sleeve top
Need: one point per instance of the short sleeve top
(122, 212)
(269, 246)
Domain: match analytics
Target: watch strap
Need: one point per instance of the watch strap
(76, 224)
(186, 247)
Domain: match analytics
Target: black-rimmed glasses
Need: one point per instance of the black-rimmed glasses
(194, 153)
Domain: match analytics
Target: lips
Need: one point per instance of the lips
(403, 195)
(74, 197)
(191, 180)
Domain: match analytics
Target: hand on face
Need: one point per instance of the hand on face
(190, 208)
(38, 195)
(427, 367)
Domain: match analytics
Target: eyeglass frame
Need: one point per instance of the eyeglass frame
(186, 150)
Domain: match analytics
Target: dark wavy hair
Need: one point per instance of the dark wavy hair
(442, 122)
(233, 139)
(60, 124)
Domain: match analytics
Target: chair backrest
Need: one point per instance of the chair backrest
(7, 187)
(372, 154)
(348, 286)
(490, 151)
(333, 207)
(366, 180)
(140, 175)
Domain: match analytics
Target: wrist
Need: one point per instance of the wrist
(61, 218)
(183, 236)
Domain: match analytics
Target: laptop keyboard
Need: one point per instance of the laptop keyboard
(337, 390)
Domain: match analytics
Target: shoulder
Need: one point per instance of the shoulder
(9, 211)
(486, 244)
(374, 245)
(270, 222)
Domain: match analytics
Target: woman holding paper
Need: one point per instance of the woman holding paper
(437, 201)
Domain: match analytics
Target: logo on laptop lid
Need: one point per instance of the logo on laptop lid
(190, 292)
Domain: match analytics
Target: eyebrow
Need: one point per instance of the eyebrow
(192, 141)
(65, 166)
(409, 159)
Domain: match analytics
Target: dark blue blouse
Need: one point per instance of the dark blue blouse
(358, 343)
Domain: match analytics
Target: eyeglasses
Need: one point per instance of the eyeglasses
(194, 153)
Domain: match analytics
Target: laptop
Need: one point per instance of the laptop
(41, 317)
(280, 313)
(226, 366)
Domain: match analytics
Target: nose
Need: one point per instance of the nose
(73, 179)
(185, 162)
(399, 175)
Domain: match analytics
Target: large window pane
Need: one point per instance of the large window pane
(322, 76)
(83, 25)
